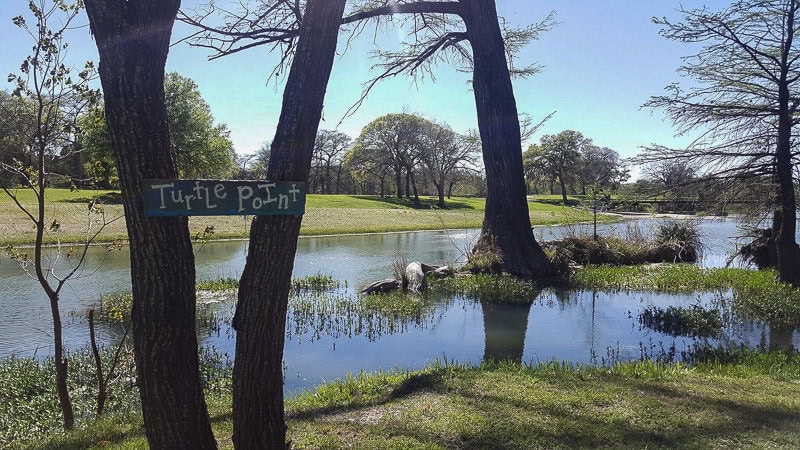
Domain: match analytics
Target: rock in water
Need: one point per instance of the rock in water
(382, 286)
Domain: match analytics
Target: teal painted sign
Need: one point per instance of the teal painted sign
(223, 198)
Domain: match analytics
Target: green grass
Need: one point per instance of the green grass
(754, 293)
(325, 214)
(668, 278)
(487, 288)
(553, 405)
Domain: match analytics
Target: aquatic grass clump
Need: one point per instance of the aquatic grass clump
(777, 304)
(115, 308)
(667, 278)
(682, 237)
(694, 321)
(339, 314)
(317, 282)
(754, 294)
(487, 288)
(218, 285)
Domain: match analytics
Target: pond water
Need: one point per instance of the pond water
(576, 326)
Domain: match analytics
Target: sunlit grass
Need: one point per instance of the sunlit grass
(744, 403)
(325, 214)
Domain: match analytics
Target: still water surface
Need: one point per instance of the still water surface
(577, 326)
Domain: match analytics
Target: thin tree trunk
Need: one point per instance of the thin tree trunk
(410, 174)
(506, 224)
(398, 175)
(59, 356)
(133, 41)
(258, 416)
(408, 183)
(61, 362)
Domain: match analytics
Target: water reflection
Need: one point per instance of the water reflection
(781, 338)
(504, 328)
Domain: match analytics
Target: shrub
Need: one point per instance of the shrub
(680, 238)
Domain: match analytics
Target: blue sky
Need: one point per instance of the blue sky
(601, 62)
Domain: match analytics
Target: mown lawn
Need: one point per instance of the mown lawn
(634, 405)
(325, 214)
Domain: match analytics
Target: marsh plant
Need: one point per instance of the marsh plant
(674, 241)
(337, 314)
(694, 321)
(753, 294)
(487, 288)
(29, 408)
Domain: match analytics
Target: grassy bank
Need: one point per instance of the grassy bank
(325, 214)
(750, 403)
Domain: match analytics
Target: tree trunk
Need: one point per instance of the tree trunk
(338, 178)
(133, 41)
(61, 362)
(59, 356)
(506, 224)
(258, 416)
(440, 191)
(563, 189)
(410, 176)
(383, 185)
(788, 250)
(398, 175)
(408, 185)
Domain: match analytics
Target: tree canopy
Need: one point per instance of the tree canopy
(202, 148)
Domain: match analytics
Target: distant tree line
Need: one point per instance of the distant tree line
(569, 163)
(402, 155)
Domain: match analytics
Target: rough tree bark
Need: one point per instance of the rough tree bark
(260, 317)
(506, 225)
(133, 41)
(788, 250)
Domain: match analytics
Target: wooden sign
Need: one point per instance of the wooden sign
(223, 198)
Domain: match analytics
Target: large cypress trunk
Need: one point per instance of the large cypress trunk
(258, 416)
(506, 225)
(788, 250)
(133, 42)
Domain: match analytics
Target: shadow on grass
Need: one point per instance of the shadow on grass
(108, 198)
(617, 411)
(424, 382)
(95, 437)
(425, 202)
